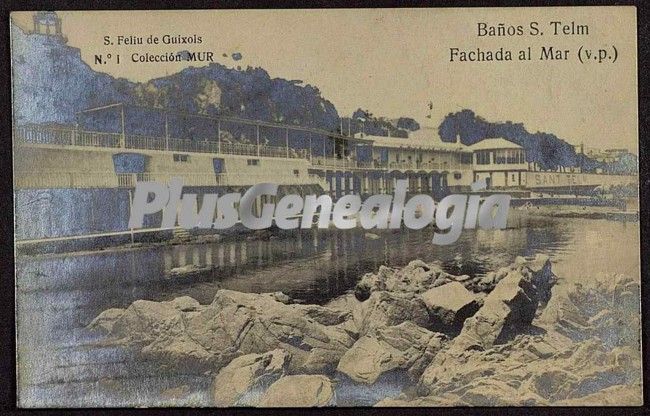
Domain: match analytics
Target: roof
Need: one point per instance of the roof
(496, 143)
(428, 142)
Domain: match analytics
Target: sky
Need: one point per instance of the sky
(394, 62)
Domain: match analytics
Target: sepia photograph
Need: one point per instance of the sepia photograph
(412, 207)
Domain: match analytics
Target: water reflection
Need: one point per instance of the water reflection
(312, 265)
(58, 295)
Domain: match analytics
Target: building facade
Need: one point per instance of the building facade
(500, 162)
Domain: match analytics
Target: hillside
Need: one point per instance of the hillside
(51, 83)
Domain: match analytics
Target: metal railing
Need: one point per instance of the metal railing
(439, 166)
(95, 139)
(65, 137)
(401, 165)
(334, 162)
(74, 137)
(47, 180)
(212, 179)
(84, 179)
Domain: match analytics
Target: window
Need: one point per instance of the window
(296, 172)
(181, 158)
(514, 156)
(457, 175)
(510, 156)
(218, 164)
(466, 158)
(483, 157)
(253, 162)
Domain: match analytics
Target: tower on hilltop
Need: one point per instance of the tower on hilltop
(47, 23)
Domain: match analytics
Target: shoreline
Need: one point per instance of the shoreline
(190, 237)
(395, 312)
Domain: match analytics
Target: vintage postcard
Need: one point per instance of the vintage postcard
(354, 207)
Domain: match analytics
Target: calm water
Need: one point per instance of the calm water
(59, 295)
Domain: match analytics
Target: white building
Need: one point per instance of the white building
(500, 162)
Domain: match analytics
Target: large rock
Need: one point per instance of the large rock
(104, 321)
(417, 277)
(449, 305)
(299, 391)
(158, 330)
(205, 338)
(385, 309)
(414, 278)
(243, 380)
(553, 367)
(541, 275)
(596, 309)
(404, 346)
(349, 304)
(531, 370)
(511, 306)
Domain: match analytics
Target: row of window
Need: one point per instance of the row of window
(509, 156)
(464, 158)
(501, 157)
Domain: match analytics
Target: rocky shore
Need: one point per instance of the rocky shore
(584, 212)
(511, 337)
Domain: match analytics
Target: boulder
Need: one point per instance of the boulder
(509, 307)
(596, 309)
(553, 366)
(449, 306)
(145, 321)
(348, 304)
(457, 376)
(282, 297)
(241, 382)
(372, 282)
(583, 369)
(104, 321)
(385, 309)
(299, 391)
(197, 338)
(542, 276)
(367, 360)
(183, 355)
(315, 336)
(509, 374)
(404, 346)
(416, 277)
(186, 304)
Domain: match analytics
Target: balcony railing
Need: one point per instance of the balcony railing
(85, 179)
(74, 137)
(334, 162)
(439, 166)
(48, 180)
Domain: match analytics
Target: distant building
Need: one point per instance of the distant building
(49, 24)
(605, 155)
(500, 162)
